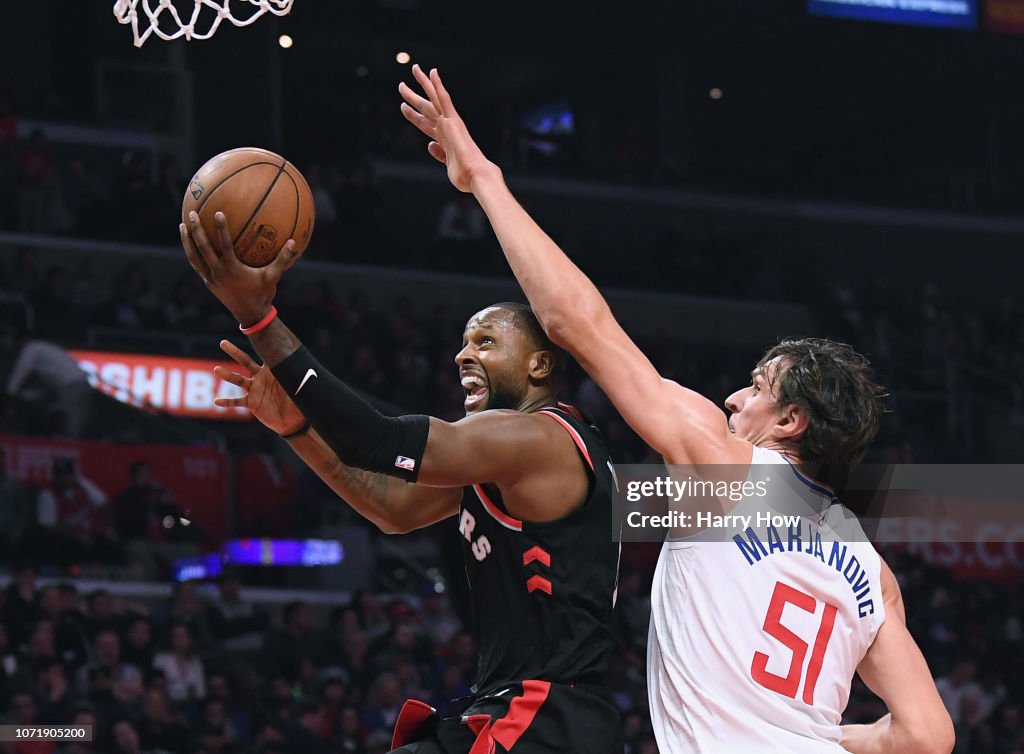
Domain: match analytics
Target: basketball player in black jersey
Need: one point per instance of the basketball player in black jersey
(529, 481)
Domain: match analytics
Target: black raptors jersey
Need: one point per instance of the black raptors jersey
(543, 593)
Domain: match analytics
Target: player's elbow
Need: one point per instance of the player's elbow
(934, 736)
(390, 526)
(569, 324)
(944, 737)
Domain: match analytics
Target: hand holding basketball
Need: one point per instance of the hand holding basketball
(436, 117)
(267, 201)
(247, 292)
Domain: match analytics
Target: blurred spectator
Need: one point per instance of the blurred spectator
(462, 654)
(462, 221)
(139, 508)
(16, 509)
(139, 648)
(26, 714)
(85, 198)
(438, 619)
(124, 679)
(9, 666)
(59, 372)
(384, 703)
(326, 212)
(126, 738)
(41, 647)
(214, 720)
(183, 311)
(1010, 731)
(956, 687)
(461, 230)
(36, 185)
(372, 617)
(20, 605)
(83, 716)
(333, 690)
(351, 732)
(453, 688)
(69, 638)
(160, 726)
(357, 660)
(187, 607)
(103, 614)
(131, 305)
(54, 692)
(186, 679)
(74, 511)
(268, 487)
(236, 624)
(288, 647)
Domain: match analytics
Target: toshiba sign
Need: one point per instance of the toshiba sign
(183, 387)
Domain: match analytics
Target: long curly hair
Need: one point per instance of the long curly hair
(836, 386)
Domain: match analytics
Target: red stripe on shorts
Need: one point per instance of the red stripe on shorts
(521, 713)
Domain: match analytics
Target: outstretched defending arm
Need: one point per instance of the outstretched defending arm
(895, 669)
(679, 423)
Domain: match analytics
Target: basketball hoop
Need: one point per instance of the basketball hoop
(155, 11)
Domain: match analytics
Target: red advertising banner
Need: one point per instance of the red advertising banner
(977, 540)
(1004, 16)
(197, 477)
(179, 386)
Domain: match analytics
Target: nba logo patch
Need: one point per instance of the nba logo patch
(409, 464)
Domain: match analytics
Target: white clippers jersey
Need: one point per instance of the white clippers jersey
(754, 640)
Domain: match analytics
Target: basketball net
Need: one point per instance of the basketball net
(153, 12)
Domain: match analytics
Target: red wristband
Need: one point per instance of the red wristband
(262, 324)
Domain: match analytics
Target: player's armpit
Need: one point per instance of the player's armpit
(895, 669)
(395, 506)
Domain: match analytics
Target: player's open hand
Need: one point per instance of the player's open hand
(436, 117)
(263, 395)
(247, 292)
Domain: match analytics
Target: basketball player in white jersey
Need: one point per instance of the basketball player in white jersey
(754, 644)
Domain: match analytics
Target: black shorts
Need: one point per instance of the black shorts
(532, 717)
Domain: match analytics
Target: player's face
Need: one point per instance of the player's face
(755, 408)
(492, 362)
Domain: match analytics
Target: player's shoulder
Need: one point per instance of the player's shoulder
(511, 425)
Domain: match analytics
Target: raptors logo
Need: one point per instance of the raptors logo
(481, 547)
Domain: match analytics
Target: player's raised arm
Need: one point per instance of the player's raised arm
(677, 422)
(895, 669)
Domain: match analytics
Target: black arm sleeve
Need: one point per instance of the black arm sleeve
(359, 434)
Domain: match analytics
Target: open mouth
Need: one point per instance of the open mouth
(476, 390)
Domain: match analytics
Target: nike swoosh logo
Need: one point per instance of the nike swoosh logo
(309, 373)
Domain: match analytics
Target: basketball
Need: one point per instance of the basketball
(265, 199)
